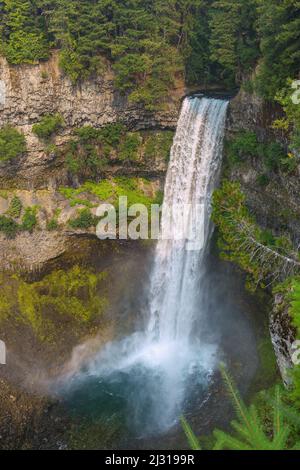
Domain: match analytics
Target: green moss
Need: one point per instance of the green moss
(109, 190)
(4, 194)
(72, 294)
(268, 372)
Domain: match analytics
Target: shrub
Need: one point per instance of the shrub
(86, 134)
(84, 220)
(48, 126)
(12, 143)
(112, 134)
(244, 144)
(8, 226)
(128, 149)
(159, 144)
(29, 220)
(52, 225)
(15, 208)
(273, 154)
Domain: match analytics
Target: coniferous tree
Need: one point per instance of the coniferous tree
(279, 31)
(22, 37)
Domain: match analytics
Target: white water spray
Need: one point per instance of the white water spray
(191, 179)
(169, 352)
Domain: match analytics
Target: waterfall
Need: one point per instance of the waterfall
(192, 175)
(153, 369)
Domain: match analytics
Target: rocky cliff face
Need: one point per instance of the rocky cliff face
(29, 92)
(283, 335)
(275, 205)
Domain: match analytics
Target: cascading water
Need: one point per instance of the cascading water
(191, 178)
(153, 369)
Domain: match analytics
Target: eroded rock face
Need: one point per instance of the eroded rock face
(276, 203)
(28, 92)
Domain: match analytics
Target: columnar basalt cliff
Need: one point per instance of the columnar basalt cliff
(29, 92)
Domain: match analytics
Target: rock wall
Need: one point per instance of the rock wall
(283, 335)
(274, 205)
(28, 92)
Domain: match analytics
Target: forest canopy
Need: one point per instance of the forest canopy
(151, 42)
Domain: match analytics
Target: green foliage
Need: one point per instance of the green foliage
(52, 225)
(152, 44)
(15, 208)
(29, 219)
(192, 439)
(84, 220)
(291, 122)
(233, 40)
(21, 36)
(72, 295)
(263, 180)
(242, 146)
(12, 143)
(246, 144)
(158, 144)
(258, 253)
(268, 426)
(89, 154)
(249, 432)
(136, 190)
(48, 126)
(94, 148)
(290, 291)
(279, 31)
(8, 226)
(128, 149)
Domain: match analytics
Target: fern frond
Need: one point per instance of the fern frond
(277, 413)
(280, 440)
(191, 437)
(291, 414)
(225, 441)
(236, 398)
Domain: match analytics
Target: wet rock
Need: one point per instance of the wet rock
(283, 335)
